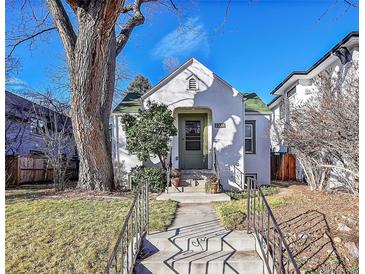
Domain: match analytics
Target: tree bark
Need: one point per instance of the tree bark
(91, 57)
(93, 78)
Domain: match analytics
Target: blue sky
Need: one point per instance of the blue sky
(254, 49)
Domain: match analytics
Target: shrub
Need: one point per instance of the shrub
(156, 177)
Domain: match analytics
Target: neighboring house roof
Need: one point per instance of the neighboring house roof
(130, 103)
(255, 104)
(295, 75)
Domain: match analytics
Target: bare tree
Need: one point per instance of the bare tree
(55, 127)
(88, 32)
(170, 64)
(324, 131)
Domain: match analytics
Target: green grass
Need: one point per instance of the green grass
(232, 214)
(67, 235)
(237, 195)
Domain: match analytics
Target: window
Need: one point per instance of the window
(193, 85)
(251, 176)
(292, 92)
(192, 135)
(250, 137)
(36, 125)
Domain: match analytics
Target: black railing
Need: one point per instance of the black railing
(168, 169)
(239, 178)
(274, 249)
(129, 242)
(216, 169)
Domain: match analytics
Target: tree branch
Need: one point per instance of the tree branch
(13, 46)
(64, 27)
(136, 20)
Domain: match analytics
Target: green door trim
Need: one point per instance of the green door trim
(198, 116)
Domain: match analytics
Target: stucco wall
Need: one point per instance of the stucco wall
(259, 163)
(225, 105)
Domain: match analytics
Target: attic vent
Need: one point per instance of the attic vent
(193, 84)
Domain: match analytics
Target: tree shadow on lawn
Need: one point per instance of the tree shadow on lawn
(29, 192)
(309, 237)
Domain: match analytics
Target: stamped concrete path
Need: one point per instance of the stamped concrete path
(196, 243)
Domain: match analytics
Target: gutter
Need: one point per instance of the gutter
(328, 54)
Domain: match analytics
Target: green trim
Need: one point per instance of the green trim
(204, 118)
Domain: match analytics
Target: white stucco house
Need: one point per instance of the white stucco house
(210, 115)
(299, 86)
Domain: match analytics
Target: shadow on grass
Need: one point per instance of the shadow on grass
(309, 237)
(29, 192)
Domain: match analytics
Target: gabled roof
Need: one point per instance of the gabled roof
(130, 103)
(172, 75)
(255, 104)
(295, 75)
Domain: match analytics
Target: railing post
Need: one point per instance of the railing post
(148, 208)
(248, 204)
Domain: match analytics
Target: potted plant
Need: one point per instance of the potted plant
(175, 177)
(212, 185)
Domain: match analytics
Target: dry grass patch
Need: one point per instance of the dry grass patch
(67, 235)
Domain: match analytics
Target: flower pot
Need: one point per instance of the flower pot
(214, 188)
(175, 181)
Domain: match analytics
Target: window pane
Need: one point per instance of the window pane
(192, 145)
(248, 145)
(248, 130)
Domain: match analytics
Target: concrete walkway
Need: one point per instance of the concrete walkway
(197, 243)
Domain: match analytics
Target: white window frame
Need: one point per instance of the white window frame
(252, 125)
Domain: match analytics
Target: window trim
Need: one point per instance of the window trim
(253, 138)
(251, 175)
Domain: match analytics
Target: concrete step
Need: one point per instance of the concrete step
(199, 188)
(193, 197)
(211, 237)
(201, 262)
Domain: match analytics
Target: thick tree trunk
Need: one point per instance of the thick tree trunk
(91, 56)
(93, 78)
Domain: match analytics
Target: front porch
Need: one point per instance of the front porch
(192, 188)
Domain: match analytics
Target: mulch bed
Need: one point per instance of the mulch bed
(322, 229)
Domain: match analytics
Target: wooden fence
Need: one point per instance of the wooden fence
(283, 166)
(33, 169)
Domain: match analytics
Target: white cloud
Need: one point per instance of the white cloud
(184, 40)
(17, 85)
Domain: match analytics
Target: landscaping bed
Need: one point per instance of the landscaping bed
(321, 228)
(68, 232)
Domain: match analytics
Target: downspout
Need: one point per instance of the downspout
(243, 139)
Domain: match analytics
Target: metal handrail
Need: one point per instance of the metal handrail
(216, 169)
(127, 247)
(168, 169)
(238, 174)
(275, 251)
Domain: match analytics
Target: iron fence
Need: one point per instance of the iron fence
(217, 170)
(168, 169)
(274, 249)
(123, 257)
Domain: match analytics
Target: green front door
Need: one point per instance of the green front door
(191, 141)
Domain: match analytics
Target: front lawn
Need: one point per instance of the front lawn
(232, 214)
(67, 233)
